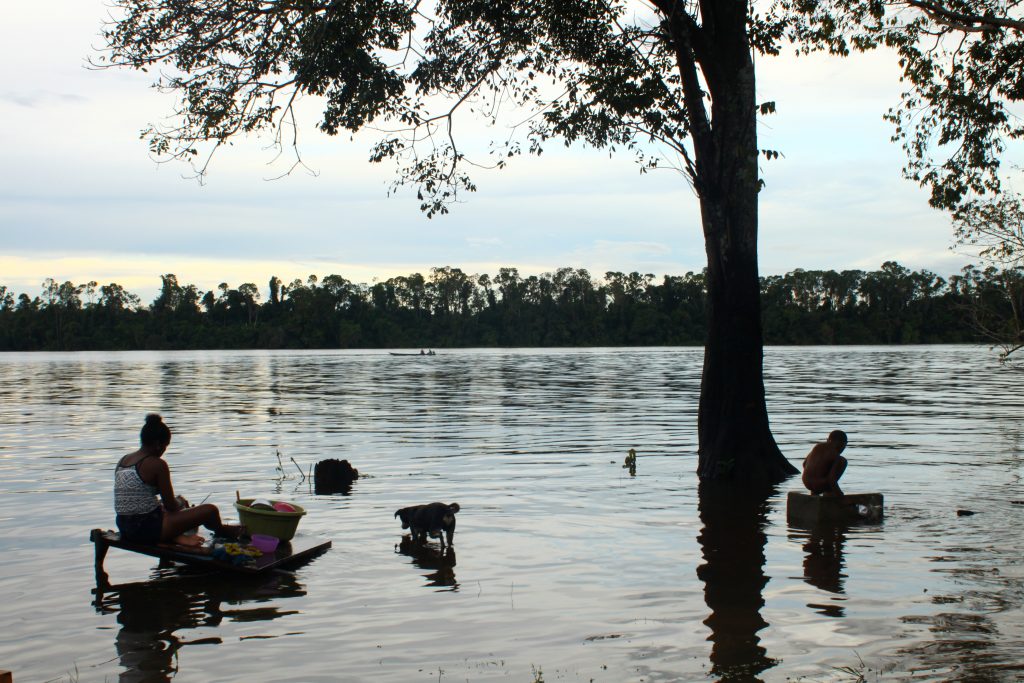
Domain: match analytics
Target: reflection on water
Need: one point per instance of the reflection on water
(974, 625)
(732, 544)
(440, 563)
(565, 562)
(152, 615)
(824, 563)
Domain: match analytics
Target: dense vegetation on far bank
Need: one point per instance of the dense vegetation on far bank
(450, 308)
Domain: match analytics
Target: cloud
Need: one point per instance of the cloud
(943, 265)
(659, 258)
(39, 98)
(140, 273)
(484, 241)
(602, 249)
(80, 198)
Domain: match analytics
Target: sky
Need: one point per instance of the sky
(81, 199)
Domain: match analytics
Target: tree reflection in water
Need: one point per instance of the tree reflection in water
(732, 541)
(151, 613)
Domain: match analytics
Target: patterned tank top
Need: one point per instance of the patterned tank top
(132, 496)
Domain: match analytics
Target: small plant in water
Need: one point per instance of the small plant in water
(538, 674)
(72, 677)
(630, 462)
(280, 467)
(857, 673)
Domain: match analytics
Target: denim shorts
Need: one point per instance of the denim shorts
(144, 528)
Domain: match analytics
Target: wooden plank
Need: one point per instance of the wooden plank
(807, 509)
(6, 676)
(297, 550)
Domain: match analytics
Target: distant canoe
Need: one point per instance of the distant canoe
(412, 354)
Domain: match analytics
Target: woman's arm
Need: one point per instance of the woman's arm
(163, 484)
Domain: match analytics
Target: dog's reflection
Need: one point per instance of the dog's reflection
(151, 614)
(440, 563)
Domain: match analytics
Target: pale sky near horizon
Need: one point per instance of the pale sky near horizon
(80, 198)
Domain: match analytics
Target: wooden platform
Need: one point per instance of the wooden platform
(807, 510)
(299, 549)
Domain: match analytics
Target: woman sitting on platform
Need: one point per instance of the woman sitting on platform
(139, 477)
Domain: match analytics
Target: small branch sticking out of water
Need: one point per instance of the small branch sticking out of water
(280, 466)
(630, 462)
(301, 473)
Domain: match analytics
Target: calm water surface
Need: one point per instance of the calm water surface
(564, 563)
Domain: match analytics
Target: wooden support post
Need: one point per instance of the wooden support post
(807, 510)
(101, 547)
(6, 676)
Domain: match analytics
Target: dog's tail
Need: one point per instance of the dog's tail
(396, 512)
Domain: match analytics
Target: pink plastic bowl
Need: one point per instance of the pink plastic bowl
(283, 507)
(266, 544)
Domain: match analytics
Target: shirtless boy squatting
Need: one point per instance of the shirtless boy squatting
(824, 465)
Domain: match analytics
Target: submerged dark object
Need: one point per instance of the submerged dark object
(333, 476)
(964, 513)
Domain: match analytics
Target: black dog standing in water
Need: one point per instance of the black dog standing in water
(436, 519)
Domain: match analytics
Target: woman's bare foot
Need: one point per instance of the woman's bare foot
(232, 531)
(190, 540)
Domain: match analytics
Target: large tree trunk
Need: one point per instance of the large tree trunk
(735, 441)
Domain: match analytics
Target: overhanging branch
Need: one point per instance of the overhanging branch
(965, 22)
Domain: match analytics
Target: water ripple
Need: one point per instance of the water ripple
(565, 562)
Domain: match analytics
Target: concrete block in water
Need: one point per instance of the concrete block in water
(805, 509)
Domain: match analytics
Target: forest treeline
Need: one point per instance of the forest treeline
(451, 308)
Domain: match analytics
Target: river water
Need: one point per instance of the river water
(565, 566)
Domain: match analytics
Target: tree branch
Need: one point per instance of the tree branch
(965, 22)
(693, 94)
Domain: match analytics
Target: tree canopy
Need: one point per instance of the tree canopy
(961, 62)
(667, 75)
(996, 229)
(608, 72)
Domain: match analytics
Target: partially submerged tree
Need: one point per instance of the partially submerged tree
(674, 74)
